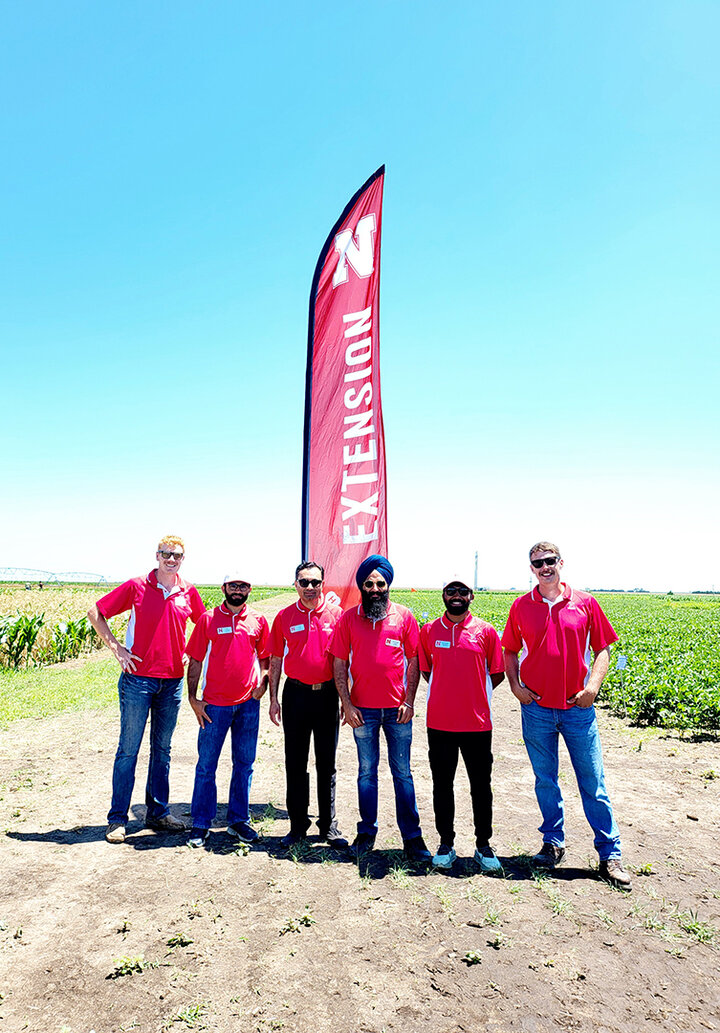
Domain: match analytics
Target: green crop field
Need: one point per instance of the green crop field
(671, 644)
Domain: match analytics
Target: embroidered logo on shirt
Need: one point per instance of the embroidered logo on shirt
(442, 644)
(224, 631)
(297, 627)
(392, 642)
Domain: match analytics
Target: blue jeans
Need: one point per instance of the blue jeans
(160, 698)
(542, 727)
(243, 722)
(399, 740)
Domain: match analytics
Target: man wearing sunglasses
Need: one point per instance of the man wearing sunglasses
(547, 641)
(299, 640)
(151, 680)
(225, 651)
(378, 641)
(461, 658)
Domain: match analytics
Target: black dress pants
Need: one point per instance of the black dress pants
(306, 713)
(476, 749)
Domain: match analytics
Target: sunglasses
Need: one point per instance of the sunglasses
(380, 585)
(237, 586)
(170, 555)
(549, 561)
(309, 582)
(457, 590)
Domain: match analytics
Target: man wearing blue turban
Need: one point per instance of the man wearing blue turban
(378, 642)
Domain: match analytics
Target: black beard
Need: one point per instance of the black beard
(235, 600)
(457, 605)
(375, 605)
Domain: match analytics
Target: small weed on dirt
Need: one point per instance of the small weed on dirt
(127, 966)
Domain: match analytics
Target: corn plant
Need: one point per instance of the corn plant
(17, 638)
(69, 639)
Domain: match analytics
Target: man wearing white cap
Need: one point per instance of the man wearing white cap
(224, 651)
(461, 658)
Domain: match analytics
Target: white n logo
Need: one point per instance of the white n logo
(357, 249)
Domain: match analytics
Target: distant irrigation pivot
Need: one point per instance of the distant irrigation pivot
(49, 577)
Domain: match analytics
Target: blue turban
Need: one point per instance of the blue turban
(379, 563)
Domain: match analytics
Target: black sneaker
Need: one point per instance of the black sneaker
(168, 823)
(363, 843)
(612, 871)
(550, 856)
(293, 838)
(335, 839)
(415, 850)
(197, 837)
(244, 832)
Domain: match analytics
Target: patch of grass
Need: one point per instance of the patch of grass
(559, 905)
(604, 916)
(690, 923)
(191, 1016)
(445, 899)
(42, 692)
(399, 876)
(645, 869)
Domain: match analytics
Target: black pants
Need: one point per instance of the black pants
(443, 751)
(310, 712)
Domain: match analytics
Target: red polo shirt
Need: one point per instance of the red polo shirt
(556, 642)
(301, 636)
(158, 618)
(377, 651)
(461, 657)
(229, 644)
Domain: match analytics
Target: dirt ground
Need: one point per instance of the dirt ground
(265, 941)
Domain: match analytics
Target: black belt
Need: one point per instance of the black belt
(316, 686)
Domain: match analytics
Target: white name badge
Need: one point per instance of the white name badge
(297, 627)
(442, 644)
(224, 631)
(392, 642)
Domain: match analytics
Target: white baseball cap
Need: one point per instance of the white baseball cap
(458, 579)
(235, 575)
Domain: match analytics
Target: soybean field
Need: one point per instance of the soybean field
(665, 669)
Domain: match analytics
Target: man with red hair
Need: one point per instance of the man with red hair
(150, 684)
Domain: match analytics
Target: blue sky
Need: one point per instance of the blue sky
(549, 314)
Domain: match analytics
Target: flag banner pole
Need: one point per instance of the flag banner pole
(344, 515)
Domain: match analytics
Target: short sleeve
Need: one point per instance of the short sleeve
(339, 644)
(197, 646)
(263, 636)
(512, 639)
(275, 645)
(411, 634)
(117, 601)
(197, 606)
(424, 649)
(493, 651)
(602, 633)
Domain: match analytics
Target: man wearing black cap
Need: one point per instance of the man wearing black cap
(461, 658)
(378, 640)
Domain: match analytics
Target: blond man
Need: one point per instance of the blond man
(151, 663)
